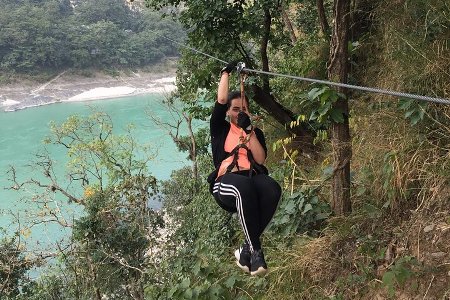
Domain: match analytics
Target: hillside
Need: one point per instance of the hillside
(365, 207)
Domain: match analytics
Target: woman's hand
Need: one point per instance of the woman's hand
(229, 67)
(244, 122)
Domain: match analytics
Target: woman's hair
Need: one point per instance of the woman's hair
(235, 95)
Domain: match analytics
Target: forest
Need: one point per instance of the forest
(365, 207)
(52, 35)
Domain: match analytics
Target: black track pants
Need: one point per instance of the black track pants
(254, 198)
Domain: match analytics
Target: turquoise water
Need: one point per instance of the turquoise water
(21, 136)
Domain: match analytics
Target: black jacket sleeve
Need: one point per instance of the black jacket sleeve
(218, 122)
(261, 139)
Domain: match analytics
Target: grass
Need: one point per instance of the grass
(395, 243)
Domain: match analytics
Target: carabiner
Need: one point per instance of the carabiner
(240, 67)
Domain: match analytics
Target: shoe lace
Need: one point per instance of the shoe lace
(245, 249)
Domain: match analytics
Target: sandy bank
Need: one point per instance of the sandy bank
(9, 102)
(70, 87)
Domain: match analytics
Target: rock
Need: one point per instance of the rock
(428, 228)
(438, 254)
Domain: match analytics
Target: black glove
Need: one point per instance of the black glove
(243, 121)
(229, 67)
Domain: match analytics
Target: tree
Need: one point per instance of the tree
(338, 71)
(115, 11)
(195, 143)
(324, 27)
(50, 35)
(107, 254)
(13, 267)
(234, 30)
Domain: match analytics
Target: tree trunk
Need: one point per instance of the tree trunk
(285, 117)
(322, 17)
(263, 97)
(287, 22)
(263, 49)
(341, 143)
(192, 147)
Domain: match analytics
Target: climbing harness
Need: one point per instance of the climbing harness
(243, 141)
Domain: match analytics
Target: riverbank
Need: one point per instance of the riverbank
(70, 86)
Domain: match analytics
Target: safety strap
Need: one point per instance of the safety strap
(253, 164)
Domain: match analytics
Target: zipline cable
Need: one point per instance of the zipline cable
(190, 48)
(332, 83)
(357, 87)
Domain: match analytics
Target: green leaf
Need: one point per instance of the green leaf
(185, 283)
(214, 292)
(324, 108)
(284, 219)
(389, 281)
(337, 115)
(388, 278)
(405, 103)
(315, 92)
(229, 283)
(188, 294)
(321, 216)
(325, 95)
(328, 171)
(360, 191)
(307, 208)
(290, 207)
(196, 268)
(300, 204)
(295, 195)
(314, 115)
(172, 291)
(312, 94)
(415, 119)
(334, 97)
(421, 112)
(342, 96)
(403, 274)
(409, 113)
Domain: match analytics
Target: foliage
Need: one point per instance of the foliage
(414, 110)
(56, 35)
(50, 286)
(398, 273)
(326, 113)
(395, 166)
(201, 137)
(14, 265)
(178, 195)
(301, 212)
(113, 238)
(226, 30)
(115, 228)
(190, 268)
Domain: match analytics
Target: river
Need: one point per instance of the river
(21, 136)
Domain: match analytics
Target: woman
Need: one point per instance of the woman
(240, 182)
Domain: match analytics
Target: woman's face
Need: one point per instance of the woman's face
(234, 109)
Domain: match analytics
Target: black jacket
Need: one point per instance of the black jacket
(219, 129)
